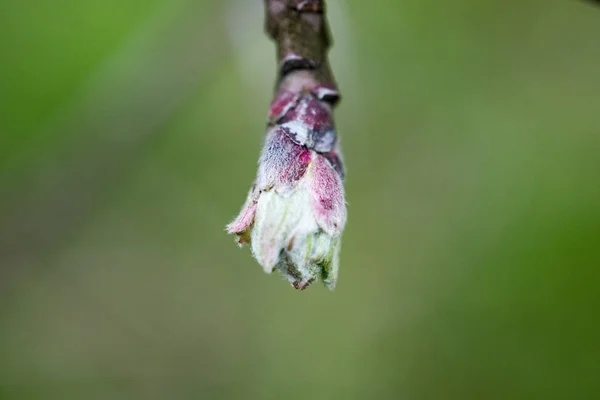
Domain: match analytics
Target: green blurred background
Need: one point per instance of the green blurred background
(129, 134)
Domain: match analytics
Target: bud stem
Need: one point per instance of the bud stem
(301, 33)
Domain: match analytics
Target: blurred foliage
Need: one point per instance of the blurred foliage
(469, 268)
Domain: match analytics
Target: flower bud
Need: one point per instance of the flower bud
(295, 212)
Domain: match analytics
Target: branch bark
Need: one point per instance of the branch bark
(301, 33)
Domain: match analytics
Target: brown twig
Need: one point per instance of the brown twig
(301, 33)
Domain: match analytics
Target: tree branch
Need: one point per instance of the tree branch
(301, 33)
